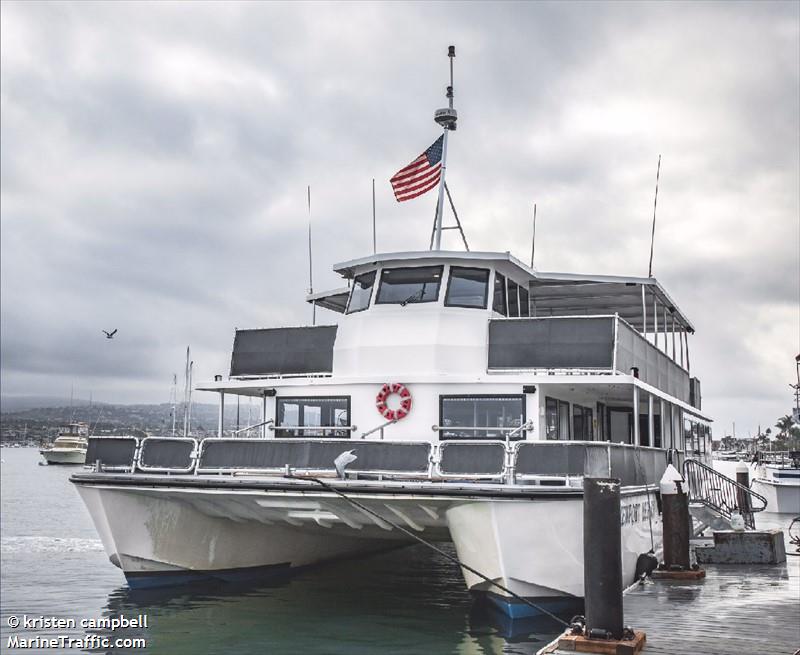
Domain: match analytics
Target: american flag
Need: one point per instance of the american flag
(420, 175)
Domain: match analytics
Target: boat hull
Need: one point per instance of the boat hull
(64, 456)
(532, 546)
(782, 497)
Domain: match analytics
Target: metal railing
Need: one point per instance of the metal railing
(499, 460)
(721, 493)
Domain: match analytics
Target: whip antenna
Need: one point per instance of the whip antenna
(533, 241)
(653, 233)
(310, 263)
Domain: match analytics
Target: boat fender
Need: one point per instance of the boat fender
(646, 563)
(405, 401)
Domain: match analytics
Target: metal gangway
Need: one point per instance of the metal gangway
(720, 494)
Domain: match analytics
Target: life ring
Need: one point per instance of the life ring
(405, 401)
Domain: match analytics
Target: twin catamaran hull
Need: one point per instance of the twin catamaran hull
(529, 541)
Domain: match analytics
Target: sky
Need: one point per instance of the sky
(155, 158)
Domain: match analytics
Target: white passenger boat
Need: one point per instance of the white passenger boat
(470, 394)
(69, 447)
(777, 478)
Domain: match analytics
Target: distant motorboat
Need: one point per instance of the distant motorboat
(69, 446)
(777, 478)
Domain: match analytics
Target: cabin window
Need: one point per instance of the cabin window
(499, 300)
(620, 425)
(513, 299)
(361, 293)
(582, 423)
(524, 304)
(467, 287)
(557, 421)
(480, 417)
(402, 286)
(312, 417)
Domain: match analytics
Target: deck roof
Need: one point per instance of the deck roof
(551, 293)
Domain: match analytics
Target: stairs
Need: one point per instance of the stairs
(714, 497)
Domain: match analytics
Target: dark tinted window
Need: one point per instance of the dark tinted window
(582, 423)
(481, 417)
(556, 419)
(499, 300)
(299, 413)
(401, 286)
(524, 305)
(468, 287)
(361, 293)
(513, 299)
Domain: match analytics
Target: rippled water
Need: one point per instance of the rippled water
(408, 601)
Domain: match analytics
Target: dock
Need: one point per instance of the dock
(734, 610)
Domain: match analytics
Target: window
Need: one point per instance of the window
(361, 293)
(401, 286)
(499, 300)
(582, 423)
(557, 421)
(513, 299)
(298, 413)
(467, 287)
(491, 416)
(620, 425)
(524, 304)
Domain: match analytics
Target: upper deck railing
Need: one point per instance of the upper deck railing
(598, 344)
(546, 463)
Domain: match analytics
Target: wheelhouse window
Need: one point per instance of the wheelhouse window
(480, 417)
(513, 299)
(402, 286)
(361, 293)
(582, 423)
(312, 417)
(467, 287)
(499, 300)
(557, 421)
(524, 304)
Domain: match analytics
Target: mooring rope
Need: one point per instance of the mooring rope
(424, 542)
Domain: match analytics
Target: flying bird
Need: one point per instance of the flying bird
(110, 335)
(345, 458)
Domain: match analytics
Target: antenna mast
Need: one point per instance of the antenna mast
(653, 233)
(533, 241)
(374, 237)
(310, 263)
(447, 119)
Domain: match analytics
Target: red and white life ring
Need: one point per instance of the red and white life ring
(405, 401)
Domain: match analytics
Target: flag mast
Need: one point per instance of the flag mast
(447, 119)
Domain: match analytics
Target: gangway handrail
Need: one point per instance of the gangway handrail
(720, 493)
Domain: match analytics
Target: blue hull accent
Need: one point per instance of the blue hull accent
(246, 575)
(562, 606)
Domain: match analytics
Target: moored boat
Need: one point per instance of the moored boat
(69, 447)
(460, 396)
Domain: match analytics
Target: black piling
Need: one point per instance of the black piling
(602, 557)
(742, 497)
(675, 517)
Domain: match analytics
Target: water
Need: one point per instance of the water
(405, 602)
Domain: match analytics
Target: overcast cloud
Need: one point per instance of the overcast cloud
(155, 159)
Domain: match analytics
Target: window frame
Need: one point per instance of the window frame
(488, 272)
(496, 284)
(522, 436)
(527, 313)
(278, 429)
(407, 268)
(584, 411)
(347, 310)
(511, 285)
(559, 404)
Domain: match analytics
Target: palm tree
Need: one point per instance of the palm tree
(784, 424)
